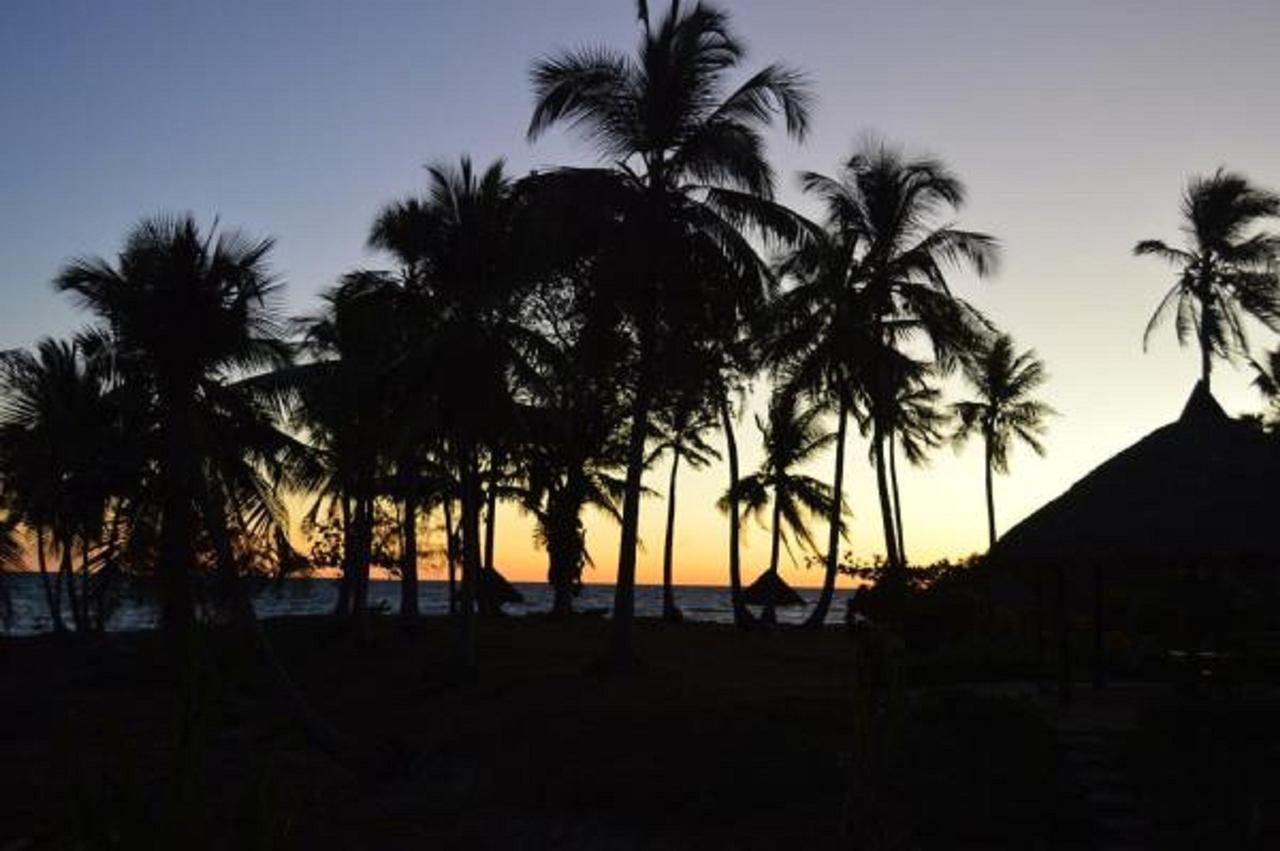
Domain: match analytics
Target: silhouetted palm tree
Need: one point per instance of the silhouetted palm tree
(187, 311)
(691, 172)
(463, 243)
(886, 205)
(60, 459)
(1227, 272)
(341, 402)
(681, 428)
(1266, 380)
(1004, 410)
(915, 422)
(792, 436)
(874, 281)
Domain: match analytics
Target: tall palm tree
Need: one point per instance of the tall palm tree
(874, 282)
(681, 427)
(792, 436)
(916, 423)
(1227, 271)
(463, 243)
(341, 402)
(891, 203)
(690, 175)
(188, 311)
(1004, 410)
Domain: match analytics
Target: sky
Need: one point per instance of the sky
(1074, 125)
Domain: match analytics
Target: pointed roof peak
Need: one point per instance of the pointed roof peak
(1202, 408)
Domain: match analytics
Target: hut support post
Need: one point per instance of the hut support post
(1064, 637)
(1041, 671)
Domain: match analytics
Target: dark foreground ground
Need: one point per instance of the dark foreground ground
(724, 740)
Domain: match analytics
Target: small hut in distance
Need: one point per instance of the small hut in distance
(1190, 510)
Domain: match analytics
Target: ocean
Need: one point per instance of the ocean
(25, 611)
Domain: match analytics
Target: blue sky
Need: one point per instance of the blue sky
(1074, 124)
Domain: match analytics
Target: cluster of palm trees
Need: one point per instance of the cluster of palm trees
(542, 340)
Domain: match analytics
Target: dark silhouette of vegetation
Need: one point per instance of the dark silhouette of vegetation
(1004, 411)
(691, 179)
(681, 426)
(542, 342)
(1226, 273)
(792, 437)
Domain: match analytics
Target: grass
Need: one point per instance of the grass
(722, 740)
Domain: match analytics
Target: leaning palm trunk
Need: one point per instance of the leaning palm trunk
(886, 505)
(622, 647)
(314, 726)
(897, 499)
(670, 611)
(818, 616)
(742, 617)
(991, 500)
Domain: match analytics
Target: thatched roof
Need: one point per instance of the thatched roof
(498, 588)
(1201, 488)
(768, 589)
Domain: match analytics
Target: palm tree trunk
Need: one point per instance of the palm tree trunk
(670, 611)
(818, 616)
(471, 501)
(66, 576)
(52, 592)
(562, 531)
(487, 605)
(742, 617)
(622, 649)
(409, 549)
(897, 498)
(1206, 354)
(177, 518)
(314, 726)
(450, 554)
(886, 507)
(347, 579)
(991, 502)
(364, 554)
(770, 615)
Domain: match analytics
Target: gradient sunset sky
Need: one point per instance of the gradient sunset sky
(1075, 126)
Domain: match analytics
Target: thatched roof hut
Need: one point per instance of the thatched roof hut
(1201, 489)
(770, 589)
